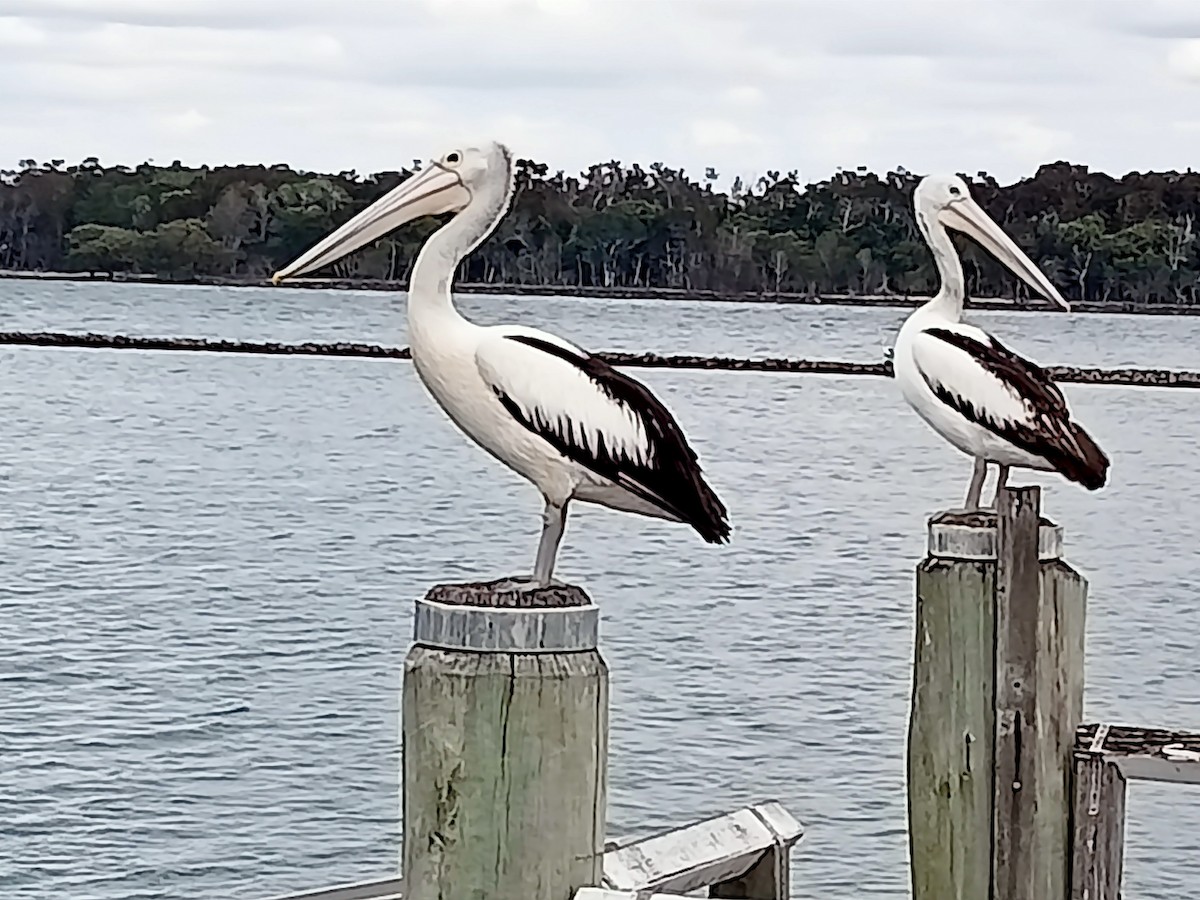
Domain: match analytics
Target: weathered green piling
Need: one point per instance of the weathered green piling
(505, 738)
(998, 679)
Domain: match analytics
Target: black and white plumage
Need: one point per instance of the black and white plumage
(572, 425)
(985, 399)
(635, 443)
(1039, 422)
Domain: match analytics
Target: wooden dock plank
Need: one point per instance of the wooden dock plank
(716, 850)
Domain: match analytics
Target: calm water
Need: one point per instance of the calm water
(209, 563)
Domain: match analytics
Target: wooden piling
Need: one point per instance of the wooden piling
(998, 680)
(1098, 856)
(505, 738)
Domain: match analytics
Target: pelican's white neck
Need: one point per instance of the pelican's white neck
(948, 302)
(433, 272)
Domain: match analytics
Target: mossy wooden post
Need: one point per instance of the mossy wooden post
(505, 745)
(997, 694)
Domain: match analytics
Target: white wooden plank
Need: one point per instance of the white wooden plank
(786, 826)
(1154, 767)
(703, 854)
(602, 894)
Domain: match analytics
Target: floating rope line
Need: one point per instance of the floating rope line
(1069, 374)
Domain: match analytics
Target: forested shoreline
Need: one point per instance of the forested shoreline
(616, 230)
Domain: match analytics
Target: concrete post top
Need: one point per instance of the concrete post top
(507, 617)
(974, 536)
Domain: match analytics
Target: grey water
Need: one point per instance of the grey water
(208, 562)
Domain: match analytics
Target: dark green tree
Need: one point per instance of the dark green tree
(617, 226)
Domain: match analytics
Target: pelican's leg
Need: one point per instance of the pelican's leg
(1001, 480)
(976, 489)
(554, 523)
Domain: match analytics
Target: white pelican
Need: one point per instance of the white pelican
(569, 423)
(982, 397)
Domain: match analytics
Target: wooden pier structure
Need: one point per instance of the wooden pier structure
(504, 732)
(1010, 795)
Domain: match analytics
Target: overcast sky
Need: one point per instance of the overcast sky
(740, 85)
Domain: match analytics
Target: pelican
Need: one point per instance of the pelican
(986, 400)
(569, 423)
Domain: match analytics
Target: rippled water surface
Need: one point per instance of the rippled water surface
(209, 561)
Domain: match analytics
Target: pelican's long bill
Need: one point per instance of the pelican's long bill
(967, 216)
(430, 193)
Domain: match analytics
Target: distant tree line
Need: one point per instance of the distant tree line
(1099, 238)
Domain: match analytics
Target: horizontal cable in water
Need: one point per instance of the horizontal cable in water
(1127, 377)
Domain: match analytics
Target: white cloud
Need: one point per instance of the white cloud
(1184, 60)
(720, 133)
(1029, 140)
(19, 33)
(737, 85)
(185, 122)
(743, 95)
(1148, 18)
(841, 135)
